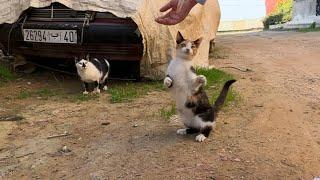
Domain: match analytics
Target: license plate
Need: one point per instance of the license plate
(50, 36)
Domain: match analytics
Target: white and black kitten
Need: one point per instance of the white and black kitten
(93, 70)
(187, 88)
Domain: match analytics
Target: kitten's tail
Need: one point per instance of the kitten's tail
(223, 95)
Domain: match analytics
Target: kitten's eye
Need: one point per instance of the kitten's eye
(183, 45)
(193, 46)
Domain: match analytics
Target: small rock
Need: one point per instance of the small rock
(135, 125)
(33, 166)
(65, 149)
(291, 110)
(29, 83)
(258, 105)
(224, 158)
(237, 160)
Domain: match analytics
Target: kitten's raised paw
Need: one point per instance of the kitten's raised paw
(200, 138)
(167, 82)
(201, 79)
(105, 88)
(182, 131)
(85, 92)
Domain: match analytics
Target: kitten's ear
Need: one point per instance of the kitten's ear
(76, 59)
(179, 38)
(197, 42)
(88, 57)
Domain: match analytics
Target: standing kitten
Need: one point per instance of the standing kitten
(93, 71)
(187, 88)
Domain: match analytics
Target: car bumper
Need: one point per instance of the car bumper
(114, 39)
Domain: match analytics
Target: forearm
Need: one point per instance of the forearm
(201, 1)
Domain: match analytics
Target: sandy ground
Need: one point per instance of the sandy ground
(273, 133)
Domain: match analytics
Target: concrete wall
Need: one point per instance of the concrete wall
(304, 12)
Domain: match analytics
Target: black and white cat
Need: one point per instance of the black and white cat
(187, 89)
(93, 70)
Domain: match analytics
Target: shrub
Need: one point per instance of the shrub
(282, 14)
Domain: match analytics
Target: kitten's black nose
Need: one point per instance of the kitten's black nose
(83, 65)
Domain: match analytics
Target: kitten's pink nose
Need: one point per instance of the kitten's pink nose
(188, 50)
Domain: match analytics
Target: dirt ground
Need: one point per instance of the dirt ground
(273, 132)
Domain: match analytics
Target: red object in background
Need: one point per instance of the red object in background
(271, 5)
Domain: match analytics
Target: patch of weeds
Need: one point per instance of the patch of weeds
(312, 28)
(215, 81)
(44, 93)
(24, 94)
(127, 91)
(218, 53)
(84, 97)
(5, 74)
(167, 112)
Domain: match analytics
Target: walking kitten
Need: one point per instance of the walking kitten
(93, 70)
(187, 88)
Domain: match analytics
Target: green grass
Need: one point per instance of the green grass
(312, 28)
(5, 74)
(24, 94)
(83, 97)
(167, 112)
(215, 81)
(127, 91)
(43, 93)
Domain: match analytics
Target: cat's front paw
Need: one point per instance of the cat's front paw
(167, 82)
(182, 131)
(201, 79)
(200, 138)
(105, 88)
(85, 93)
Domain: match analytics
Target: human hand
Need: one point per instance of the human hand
(179, 11)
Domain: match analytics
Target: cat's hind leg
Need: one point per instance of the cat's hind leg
(97, 89)
(204, 133)
(187, 131)
(86, 86)
(103, 86)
